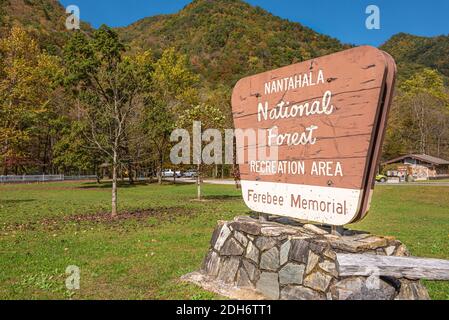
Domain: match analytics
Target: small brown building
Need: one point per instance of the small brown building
(421, 166)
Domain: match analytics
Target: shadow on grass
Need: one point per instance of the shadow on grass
(161, 213)
(222, 197)
(16, 201)
(145, 217)
(108, 185)
(126, 184)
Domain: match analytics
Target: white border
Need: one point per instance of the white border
(353, 198)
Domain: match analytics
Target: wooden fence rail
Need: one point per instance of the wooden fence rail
(399, 267)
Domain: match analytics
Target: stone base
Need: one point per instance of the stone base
(219, 287)
(282, 259)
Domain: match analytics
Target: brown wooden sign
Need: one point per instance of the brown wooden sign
(319, 130)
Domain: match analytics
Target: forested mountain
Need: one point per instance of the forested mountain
(224, 39)
(229, 39)
(213, 42)
(413, 53)
(44, 19)
(420, 113)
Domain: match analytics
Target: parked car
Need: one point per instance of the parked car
(191, 173)
(168, 173)
(381, 178)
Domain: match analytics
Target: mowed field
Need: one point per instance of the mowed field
(161, 235)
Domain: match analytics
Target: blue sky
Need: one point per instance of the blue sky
(342, 19)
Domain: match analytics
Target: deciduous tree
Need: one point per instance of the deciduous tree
(210, 117)
(28, 78)
(171, 89)
(108, 83)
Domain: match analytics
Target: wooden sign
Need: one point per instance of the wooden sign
(319, 129)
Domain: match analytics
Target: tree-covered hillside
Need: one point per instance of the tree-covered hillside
(44, 19)
(229, 39)
(420, 112)
(413, 53)
(214, 42)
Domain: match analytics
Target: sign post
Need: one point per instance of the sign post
(309, 135)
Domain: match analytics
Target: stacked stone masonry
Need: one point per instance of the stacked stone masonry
(283, 259)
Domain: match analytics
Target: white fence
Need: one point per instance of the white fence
(43, 178)
(75, 178)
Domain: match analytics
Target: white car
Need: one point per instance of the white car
(191, 173)
(168, 174)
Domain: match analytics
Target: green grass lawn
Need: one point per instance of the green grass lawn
(45, 228)
(433, 181)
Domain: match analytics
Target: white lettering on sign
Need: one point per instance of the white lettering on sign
(283, 110)
(327, 169)
(294, 82)
(278, 167)
(291, 139)
(317, 169)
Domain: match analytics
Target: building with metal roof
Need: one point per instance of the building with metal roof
(421, 166)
